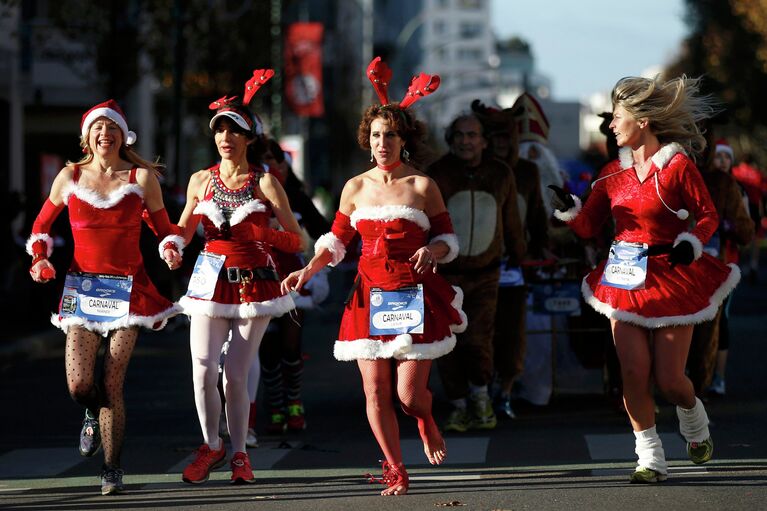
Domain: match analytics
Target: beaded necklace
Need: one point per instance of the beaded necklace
(229, 200)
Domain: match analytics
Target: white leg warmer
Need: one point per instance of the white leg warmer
(693, 422)
(649, 450)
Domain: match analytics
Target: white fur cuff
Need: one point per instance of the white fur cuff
(176, 240)
(334, 245)
(40, 236)
(570, 214)
(697, 245)
(451, 240)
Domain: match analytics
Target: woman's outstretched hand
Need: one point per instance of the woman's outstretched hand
(424, 260)
(296, 280)
(562, 200)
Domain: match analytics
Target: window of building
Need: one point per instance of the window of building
(469, 54)
(470, 30)
(439, 27)
(470, 4)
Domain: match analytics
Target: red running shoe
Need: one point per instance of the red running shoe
(198, 471)
(241, 471)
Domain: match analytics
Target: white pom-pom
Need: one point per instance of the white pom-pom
(131, 138)
(682, 214)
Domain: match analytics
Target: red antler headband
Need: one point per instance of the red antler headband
(230, 107)
(380, 74)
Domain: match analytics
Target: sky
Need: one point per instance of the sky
(585, 46)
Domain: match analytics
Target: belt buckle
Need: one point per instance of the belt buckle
(233, 274)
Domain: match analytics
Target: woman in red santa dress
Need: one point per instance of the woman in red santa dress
(406, 231)
(234, 290)
(107, 193)
(657, 282)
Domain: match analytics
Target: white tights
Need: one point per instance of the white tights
(206, 337)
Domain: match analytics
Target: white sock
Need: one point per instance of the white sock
(649, 450)
(693, 422)
(459, 403)
(477, 390)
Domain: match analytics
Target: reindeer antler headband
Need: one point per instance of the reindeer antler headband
(420, 86)
(230, 107)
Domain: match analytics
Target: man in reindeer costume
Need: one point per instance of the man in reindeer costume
(481, 196)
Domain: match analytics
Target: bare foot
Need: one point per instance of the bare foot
(433, 444)
(397, 489)
(396, 479)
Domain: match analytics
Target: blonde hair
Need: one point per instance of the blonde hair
(673, 108)
(127, 153)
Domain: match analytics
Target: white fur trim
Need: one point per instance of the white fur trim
(660, 158)
(570, 214)
(697, 245)
(210, 210)
(334, 245)
(391, 212)
(128, 321)
(274, 308)
(97, 200)
(176, 240)
(451, 240)
(457, 304)
(244, 211)
(665, 153)
(626, 157)
(702, 315)
(400, 348)
(40, 236)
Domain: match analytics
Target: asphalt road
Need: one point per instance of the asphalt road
(575, 453)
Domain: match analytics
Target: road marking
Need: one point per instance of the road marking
(38, 462)
(459, 451)
(621, 446)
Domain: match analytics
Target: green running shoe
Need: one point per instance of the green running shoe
(482, 414)
(700, 452)
(643, 475)
(457, 421)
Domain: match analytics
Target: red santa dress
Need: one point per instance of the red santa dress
(106, 232)
(390, 236)
(654, 212)
(228, 217)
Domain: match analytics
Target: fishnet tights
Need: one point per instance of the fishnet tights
(104, 398)
(415, 398)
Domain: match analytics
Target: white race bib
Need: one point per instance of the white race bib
(626, 266)
(96, 297)
(396, 312)
(202, 283)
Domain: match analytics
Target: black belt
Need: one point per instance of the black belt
(655, 250)
(236, 274)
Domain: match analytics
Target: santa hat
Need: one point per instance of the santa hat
(112, 111)
(531, 121)
(723, 147)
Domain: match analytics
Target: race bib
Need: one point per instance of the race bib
(96, 297)
(202, 283)
(511, 277)
(396, 312)
(626, 266)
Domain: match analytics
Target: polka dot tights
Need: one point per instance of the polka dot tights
(103, 396)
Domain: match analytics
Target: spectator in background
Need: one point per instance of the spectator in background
(711, 339)
(510, 339)
(282, 365)
(481, 195)
(753, 181)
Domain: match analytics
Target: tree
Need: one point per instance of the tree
(728, 46)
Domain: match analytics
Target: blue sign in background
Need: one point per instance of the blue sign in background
(557, 298)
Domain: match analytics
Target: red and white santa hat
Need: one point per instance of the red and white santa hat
(723, 147)
(112, 111)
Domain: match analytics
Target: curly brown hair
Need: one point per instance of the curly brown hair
(409, 129)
